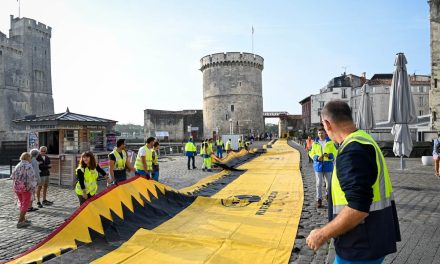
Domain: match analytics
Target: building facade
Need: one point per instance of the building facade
(379, 90)
(175, 126)
(306, 113)
(434, 95)
(232, 93)
(338, 88)
(25, 74)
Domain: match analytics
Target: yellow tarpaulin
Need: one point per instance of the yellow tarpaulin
(221, 229)
(253, 219)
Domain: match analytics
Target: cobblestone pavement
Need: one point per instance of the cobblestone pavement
(13, 241)
(311, 217)
(417, 194)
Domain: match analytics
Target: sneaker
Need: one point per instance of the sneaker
(46, 202)
(319, 203)
(23, 224)
(39, 205)
(27, 221)
(209, 170)
(32, 209)
(203, 169)
(194, 168)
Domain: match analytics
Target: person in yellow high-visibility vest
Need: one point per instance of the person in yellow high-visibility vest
(206, 156)
(323, 153)
(118, 162)
(87, 175)
(219, 145)
(363, 217)
(155, 173)
(144, 159)
(228, 146)
(191, 152)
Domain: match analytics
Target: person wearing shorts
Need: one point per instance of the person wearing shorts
(44, 165)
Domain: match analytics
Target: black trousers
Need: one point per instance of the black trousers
(193, 161)
(81, 198)
(120, 175)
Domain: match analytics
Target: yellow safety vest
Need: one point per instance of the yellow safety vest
(148, 158)
(329, 147)
(210, 147)
(90, 177)
(219, 142)
(155, 157)
(190, 147)
(120, 161)
(382, 189)
(228, 145)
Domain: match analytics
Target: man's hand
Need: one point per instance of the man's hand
(85, 196)
(316, 239)
(320, 158)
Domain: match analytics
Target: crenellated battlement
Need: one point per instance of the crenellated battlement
(8, 45)
(32, 23)
(232, 58)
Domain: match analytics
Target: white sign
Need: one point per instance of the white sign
(162, 134)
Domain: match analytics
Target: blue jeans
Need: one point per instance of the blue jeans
(339, 260)
(146, 174)
(219, 153)
(155, 175)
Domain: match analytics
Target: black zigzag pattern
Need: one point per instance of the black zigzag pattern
(116, 232)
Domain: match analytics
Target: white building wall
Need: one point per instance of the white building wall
(319, 100)
(380, 95)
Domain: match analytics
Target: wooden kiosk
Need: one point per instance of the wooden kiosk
(66, 136)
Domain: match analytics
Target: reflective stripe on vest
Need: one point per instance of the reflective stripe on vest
(382, 189)
(148, 159)
(120, 161)
(90, 177)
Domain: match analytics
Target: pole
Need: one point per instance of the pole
(19, 3)
(252, 39)
(402, 166)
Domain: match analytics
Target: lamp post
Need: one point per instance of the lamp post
(190, 130)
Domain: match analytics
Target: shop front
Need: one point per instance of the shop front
(66, 136)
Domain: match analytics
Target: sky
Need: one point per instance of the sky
(115, 58)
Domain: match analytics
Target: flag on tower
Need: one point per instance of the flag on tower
(252, 28)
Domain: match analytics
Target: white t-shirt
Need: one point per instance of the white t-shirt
(322, 142)
(142, 152)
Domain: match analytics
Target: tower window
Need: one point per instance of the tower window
(239, 83)
(232, 108)
(435, 83)
(226, 116)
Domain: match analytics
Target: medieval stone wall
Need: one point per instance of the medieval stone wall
(232, 93)
(25, 74)
(434, 95)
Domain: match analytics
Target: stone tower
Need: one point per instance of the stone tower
(25, 74)
(232, 93)
(434, 95)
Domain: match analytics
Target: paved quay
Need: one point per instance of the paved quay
(417, 194)
(13, 241)
(416, 188)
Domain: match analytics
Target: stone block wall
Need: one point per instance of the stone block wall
(232, 93)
